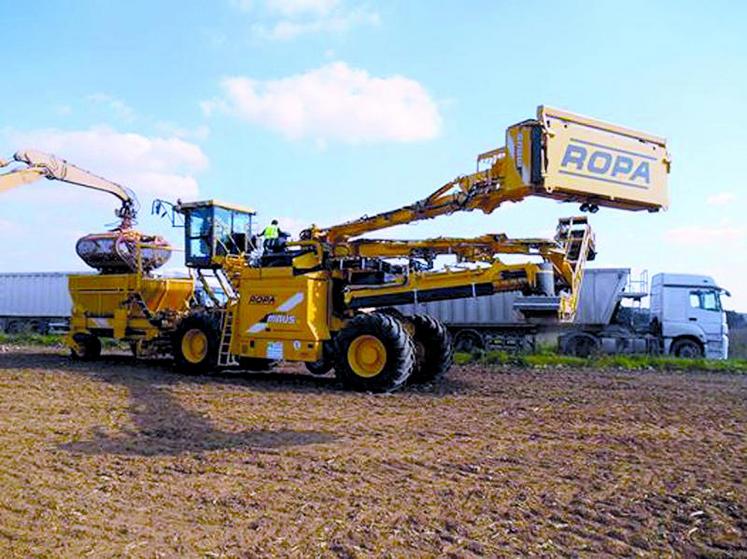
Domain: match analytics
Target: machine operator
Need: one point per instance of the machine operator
(274, 237)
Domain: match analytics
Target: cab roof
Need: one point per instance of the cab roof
(217, 204)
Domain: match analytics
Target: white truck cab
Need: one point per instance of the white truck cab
(688, 310)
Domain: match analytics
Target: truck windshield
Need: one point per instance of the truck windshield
(706, 300)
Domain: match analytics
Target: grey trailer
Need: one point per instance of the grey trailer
(31, 302)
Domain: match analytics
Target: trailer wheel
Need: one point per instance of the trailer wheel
(580, 345)
(433, 349)
(87, 347)
(374, 353)
(687, 348)
(195, 345)
(16, 327)
(467, 341)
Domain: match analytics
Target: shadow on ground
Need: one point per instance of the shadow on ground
(162, 426)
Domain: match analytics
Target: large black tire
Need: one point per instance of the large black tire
(319, 368)
(468, 341)
(88, 347)
(195, 344)
(326, 363)
(433, 349)
(580, 345)
(374, 353)
(686, 348)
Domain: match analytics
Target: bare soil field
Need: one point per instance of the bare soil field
(117, 459)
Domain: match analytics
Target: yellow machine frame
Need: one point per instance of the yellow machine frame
(294, 303)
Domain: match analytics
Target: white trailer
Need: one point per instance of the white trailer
(30, 302)
(685, 317)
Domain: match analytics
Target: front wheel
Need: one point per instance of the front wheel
(195, 345)
(687, 349)
(374, 353)
(87, 347)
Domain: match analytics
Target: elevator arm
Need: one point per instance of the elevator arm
(41, 165)
(559, 155)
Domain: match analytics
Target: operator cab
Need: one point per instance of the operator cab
(215, 229)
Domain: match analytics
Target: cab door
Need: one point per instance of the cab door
(705, 311)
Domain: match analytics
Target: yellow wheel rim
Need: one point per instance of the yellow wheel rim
(367, 356)
(194, 345)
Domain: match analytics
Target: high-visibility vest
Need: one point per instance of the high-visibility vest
(271, 232)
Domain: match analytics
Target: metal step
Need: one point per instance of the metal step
(538, 308)
(225, 357)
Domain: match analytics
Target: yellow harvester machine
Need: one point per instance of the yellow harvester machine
(326, 299)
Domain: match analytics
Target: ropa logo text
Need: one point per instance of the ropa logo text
(262, 300)
(607, 163)
(281, 319)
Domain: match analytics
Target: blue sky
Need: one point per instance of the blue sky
(322, 110)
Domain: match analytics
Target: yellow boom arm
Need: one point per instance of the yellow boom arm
(41, 165)
(559, 155)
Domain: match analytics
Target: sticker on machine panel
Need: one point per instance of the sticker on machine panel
(275, 350)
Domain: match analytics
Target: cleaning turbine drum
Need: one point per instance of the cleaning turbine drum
(117, 251)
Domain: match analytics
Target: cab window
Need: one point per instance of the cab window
(199, 234)
(706, 300)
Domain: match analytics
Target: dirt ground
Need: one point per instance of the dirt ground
(117, 459)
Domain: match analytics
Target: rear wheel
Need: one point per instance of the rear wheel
(87, 347)
(374, 353)
(581, 345)
(468, 341)
(433, 349)
(195, 345)
(687, 349)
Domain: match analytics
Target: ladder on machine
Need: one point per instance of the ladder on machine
(225, 357)
(578, 239)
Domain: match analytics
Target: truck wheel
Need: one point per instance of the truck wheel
(374, 353)
(16, 327)
(87, 347)
(687, 349)
(433, 350)
(581, 345)
(195, 345)
(468, 341)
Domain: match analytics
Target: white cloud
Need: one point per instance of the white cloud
(151, 166)
(296, 7)
(702, 236)
(7, 226)
(119, 108)
(243, 5)
(166, 128)
(336, 22)
(721, 199)
(280, 20)
(334, 102)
